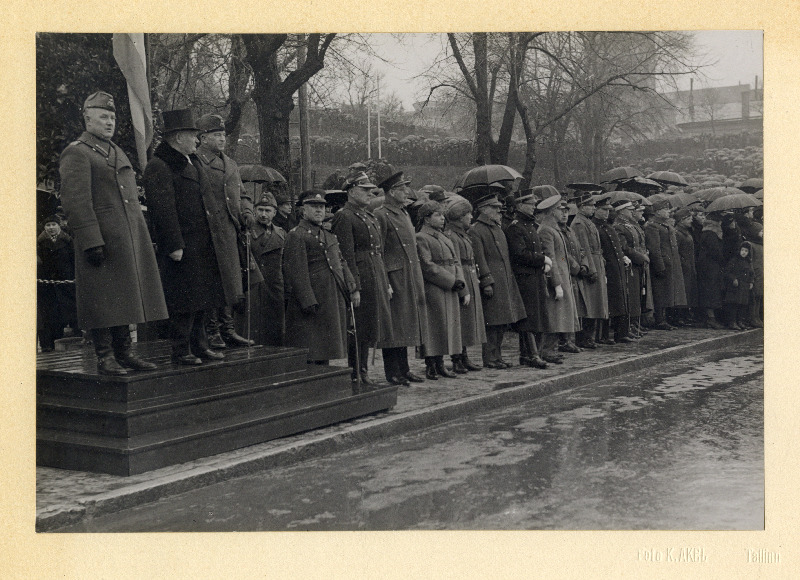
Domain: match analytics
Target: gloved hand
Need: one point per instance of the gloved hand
(465, 300)
(592, 277)
(458, 285)
(584, 272)
(95, 256)
(355, 298)
(248, 220)
(559, 292)
(735, 283)
(488, 291)
(311, 310)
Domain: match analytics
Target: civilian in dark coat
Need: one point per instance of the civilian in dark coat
(183, 212)
(710, 261)
(529, 265)
(473, 328)
(116, 274)
(500, 297)
(617, 265)
(753, 232)
(234, 214)
(269, 321)
(738, 277)
(319, 285)
(55, 259)
(361, 243)
(409, 322)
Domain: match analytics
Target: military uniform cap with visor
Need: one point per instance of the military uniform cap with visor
(100, 100)
(393, 181)
(549, 202)
(312, 196)
(267, 199)
(621, 204)
(360, 179)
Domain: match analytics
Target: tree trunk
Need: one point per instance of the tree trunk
(483, 126)
(238, 77)
(530, 144)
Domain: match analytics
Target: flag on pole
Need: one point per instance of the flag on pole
(130, 55)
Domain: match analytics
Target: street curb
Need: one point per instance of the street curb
(376, 429)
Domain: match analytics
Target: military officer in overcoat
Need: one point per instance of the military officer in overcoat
(185, 223)
(617, 266)
(665, 265)
(361, 243)
(501, 300)
(116, 273)
(595, 297)
(268, 314)
(409, 321)
(634, 246)
(319, 285)
(234, 214)
(530, 265)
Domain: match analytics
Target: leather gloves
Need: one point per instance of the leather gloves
(458, 285)
(488, 291)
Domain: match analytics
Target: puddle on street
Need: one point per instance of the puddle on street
(679, 446)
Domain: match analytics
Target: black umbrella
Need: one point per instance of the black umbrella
(668, 178)
(260, 173)
(586, 186)
(619, 174)
(486, 174)
(752, 185)
(733, 201)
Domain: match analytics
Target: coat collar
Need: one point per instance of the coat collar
(176, 160)
(430, 231)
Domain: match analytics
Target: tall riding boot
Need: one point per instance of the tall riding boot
(105, 340)
(711, 320)
(430, 368)
(439, 364)
(121, 343)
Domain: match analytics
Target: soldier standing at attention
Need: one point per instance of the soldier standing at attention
(116, 274)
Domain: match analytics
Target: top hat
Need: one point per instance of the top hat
(178, 120)
(100, 100)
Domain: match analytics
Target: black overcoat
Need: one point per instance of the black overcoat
(616, 272)
(710, 261)
(269, 321)
(183, 213)
(527, 261)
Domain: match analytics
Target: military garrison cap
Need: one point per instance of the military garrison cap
(210, 123)
(100, 100)
(267, 199)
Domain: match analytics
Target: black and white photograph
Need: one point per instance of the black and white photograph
(456, 281)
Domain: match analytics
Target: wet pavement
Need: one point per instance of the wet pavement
(677, 446)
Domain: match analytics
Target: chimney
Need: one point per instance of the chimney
(746, 104)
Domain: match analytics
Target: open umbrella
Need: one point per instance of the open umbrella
(619, 174)
(585, 186)
(629, 196)
(655, 198)
(641, 185)
(486, 174)
(752, 185)
(733, 201)
(713, 193)
(260, 173)
(759, 194)
(668, 178)
(682, 199)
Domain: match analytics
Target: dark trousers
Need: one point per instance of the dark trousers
(116, 339)
(527, 346)
(189, 332)
(363, 354)
(493, 347)
(586, 334)
(395, 362)
(220, 320)
(549, 343)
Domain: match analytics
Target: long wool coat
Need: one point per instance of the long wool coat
(494, 269)
(561, 315)
(441, 268)
(361, 243)
(182, 207)
(616, 272)
(595, 295)
(634, 245)
(268, 317)
(577, 260)
(316, 273)
(668, 290)
(527, 261)
(686, 252)
(100, 199)
(473, 330)
(710, 261)
(741, 270)
(407, 306)
(233, 202)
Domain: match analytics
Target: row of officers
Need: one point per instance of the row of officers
(365, 279)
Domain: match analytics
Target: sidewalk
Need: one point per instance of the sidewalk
(64, 497)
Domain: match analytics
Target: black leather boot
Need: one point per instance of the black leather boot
(430, 368)
(439, 363)
(458, 366)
